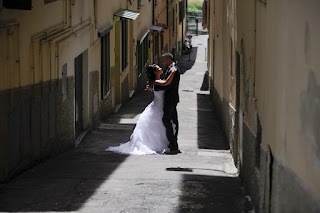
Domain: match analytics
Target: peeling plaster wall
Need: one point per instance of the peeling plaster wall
(37, 60)
(278, 44)
(250, 145)
(246, 49)
(36, 120)
(288, 76)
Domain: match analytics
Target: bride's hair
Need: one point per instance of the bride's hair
(151, 72)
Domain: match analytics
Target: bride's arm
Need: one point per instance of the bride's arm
(168, 80)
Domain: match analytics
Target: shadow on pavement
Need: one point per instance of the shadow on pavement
(185, 64)
(67, 182)
(210, 134)
(136, 104)
(202, 193)
(179, 169)
(205, 84)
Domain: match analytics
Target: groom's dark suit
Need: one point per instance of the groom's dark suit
(171, 99)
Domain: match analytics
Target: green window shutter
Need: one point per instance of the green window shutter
(105, 65)
(124, 38)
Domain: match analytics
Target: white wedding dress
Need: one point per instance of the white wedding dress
(149, 135)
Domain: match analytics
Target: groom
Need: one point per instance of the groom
(171, 99)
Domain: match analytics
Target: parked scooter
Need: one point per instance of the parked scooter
(189, 36)
(187, 45)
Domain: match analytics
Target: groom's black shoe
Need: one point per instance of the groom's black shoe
(173, 152)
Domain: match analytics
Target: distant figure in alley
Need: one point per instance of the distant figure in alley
(157, 129)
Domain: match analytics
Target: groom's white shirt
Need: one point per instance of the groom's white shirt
(170, 66)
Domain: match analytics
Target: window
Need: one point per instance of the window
(105, 65)
(142, 55)
(182, 13)
(173, 22)
(124, 38)
(156, 47)
(168, 13)
(162, 41)
(17, 4)
(139, 4)
(64, 82)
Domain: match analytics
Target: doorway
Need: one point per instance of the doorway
(116, 77)
(78, 76)
(239, 110)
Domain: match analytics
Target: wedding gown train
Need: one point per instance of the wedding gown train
(149, 135)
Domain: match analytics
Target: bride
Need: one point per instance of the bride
(149, 135)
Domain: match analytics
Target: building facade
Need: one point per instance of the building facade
(265, 85)
(66, 65)
(171, 15)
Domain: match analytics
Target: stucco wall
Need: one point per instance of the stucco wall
(278, 116)
(38, 122)
(288, 76)
(37, 117)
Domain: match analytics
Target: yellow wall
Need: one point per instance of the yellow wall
(36, 44)
(170, 39)
(21, 36)
(279, 44)
(246, 47)
(288, 74)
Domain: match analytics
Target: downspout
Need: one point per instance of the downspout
(153, 13)
(153, 36)
(255, 52)
(95, 13)
(182, 20)
(168, 13)
(56, 31)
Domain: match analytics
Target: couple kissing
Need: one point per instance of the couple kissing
(156, 131)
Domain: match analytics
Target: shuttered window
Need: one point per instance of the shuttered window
(124, 38)
(64, 82)
(105, 65)
(17, 4)
(173, 22)
(167, 13)
(139, 4)
(142, 55)
(156, 47)
(182, 8)
(162, 41)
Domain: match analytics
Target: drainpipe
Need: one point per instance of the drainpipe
(168, 14)
(95, 13)
(153, 13)
(254, 52)
(63, 37)
(182, 23)
(153, 36)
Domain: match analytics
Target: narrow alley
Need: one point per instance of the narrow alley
(73, 83)
(203, 178)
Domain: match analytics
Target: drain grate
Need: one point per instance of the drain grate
(187, 90)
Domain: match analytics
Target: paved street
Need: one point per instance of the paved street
(202, 178)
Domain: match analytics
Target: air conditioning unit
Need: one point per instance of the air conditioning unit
(17, 4)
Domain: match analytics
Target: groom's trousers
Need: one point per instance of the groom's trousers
(170, 120)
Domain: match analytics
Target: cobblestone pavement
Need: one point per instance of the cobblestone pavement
(202, 178)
